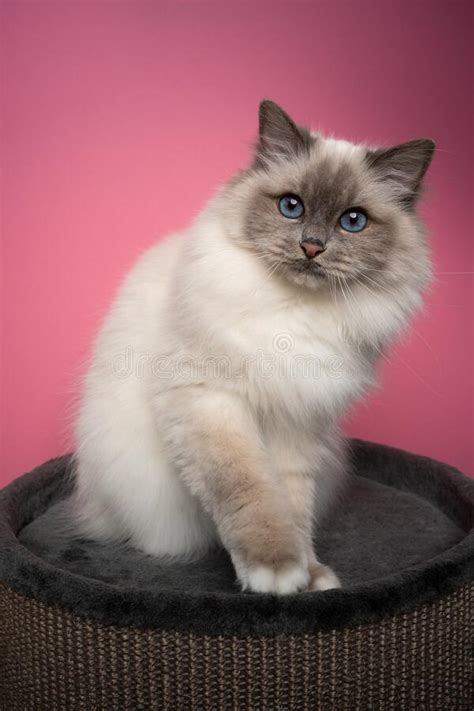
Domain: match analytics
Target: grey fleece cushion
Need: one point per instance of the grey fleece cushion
(401, 535)
(375, 531)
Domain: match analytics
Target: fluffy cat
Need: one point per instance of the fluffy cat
(211, 403)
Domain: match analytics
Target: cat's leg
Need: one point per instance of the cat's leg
(311, 472)
(215, 444)
(302, 494)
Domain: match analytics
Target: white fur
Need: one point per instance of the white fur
(200, 295)
(326, 581)
(267, 580)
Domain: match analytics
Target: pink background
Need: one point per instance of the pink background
(120, 119)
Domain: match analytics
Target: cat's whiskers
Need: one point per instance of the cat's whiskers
(270, 272)
(351, 307)
(402, 361)
(384, 271)
(380, 286)
(351, 296)
(415, 331)
(332, 288)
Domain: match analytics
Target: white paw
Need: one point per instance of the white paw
(323, 578)
(283, 581)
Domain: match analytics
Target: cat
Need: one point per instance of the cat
(199, 424)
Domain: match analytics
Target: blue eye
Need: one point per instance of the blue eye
(291, 206)
(353, 220)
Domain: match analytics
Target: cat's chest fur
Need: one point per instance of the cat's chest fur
(284, 350)
(296, 361)
(287, 357)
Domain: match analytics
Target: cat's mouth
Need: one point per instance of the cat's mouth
(303, 269)
(311, 267)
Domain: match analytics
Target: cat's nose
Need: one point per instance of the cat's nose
(312, 247)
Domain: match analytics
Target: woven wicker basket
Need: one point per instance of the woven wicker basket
(404, 642)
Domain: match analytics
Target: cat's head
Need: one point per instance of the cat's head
(319, 211)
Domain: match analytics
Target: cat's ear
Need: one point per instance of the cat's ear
(403, 166)
(279, 137)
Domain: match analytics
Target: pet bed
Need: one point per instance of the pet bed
(90, 626)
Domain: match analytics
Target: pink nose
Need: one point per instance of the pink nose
(312, 248)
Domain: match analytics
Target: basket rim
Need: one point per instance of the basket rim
(244, 613)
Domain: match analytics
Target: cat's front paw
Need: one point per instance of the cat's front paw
(322, 577)
(284, 579)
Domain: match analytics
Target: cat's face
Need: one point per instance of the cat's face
(321, 212)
